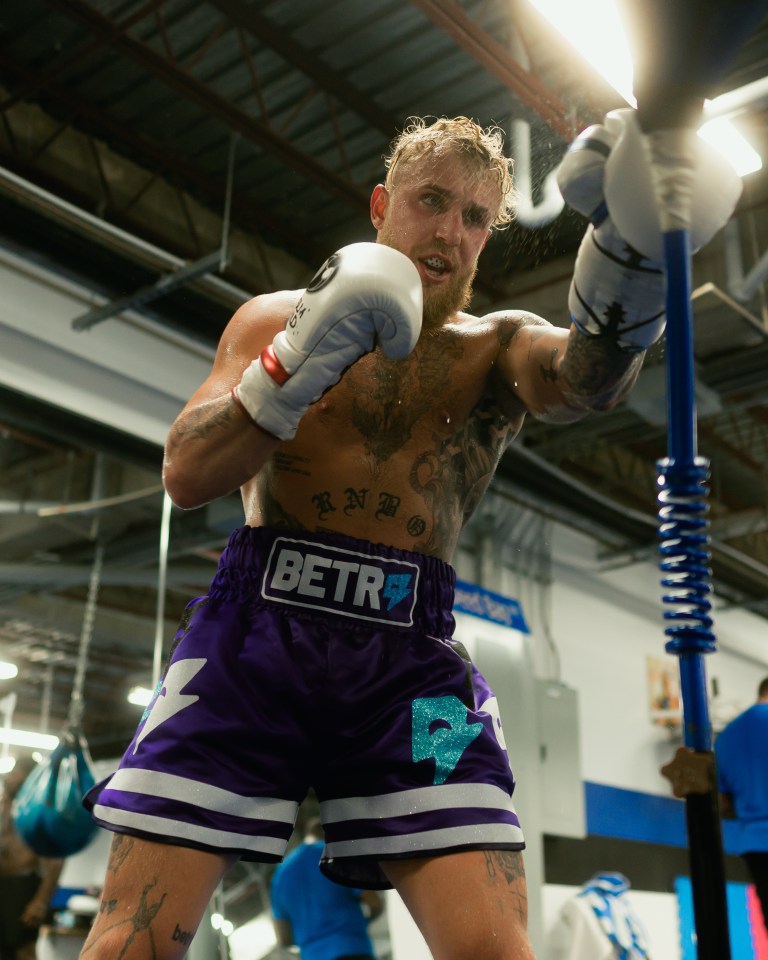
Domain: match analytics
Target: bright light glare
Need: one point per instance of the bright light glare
(218, 922)
(595, 29)
(27, 738)
(8, 670)
(724, 137)
(253, 940)
(7, 764)
(140, 696)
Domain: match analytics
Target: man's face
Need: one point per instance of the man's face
(438, 213)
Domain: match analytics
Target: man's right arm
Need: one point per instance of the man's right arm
(213, 448)
(277, 357)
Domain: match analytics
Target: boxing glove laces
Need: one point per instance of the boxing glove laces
(364, 294)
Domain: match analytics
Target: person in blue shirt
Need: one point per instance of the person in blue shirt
(325, 920)
(740, 776)
(742, 779)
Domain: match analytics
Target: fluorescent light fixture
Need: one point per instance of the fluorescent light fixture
(724, 137)
(595, 29)
(8, 670)
(140, 696)
(28, 738)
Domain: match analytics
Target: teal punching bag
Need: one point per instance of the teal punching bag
(48, 811)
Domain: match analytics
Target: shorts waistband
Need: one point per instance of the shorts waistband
(329, 574)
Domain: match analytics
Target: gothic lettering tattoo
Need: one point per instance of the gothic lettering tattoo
(323, 503)
(355, 499)
(388, 504)
(416, 526)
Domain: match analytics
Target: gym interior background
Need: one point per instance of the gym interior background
(161, 162)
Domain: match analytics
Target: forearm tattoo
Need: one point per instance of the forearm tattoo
(200, 423)
(597, 370)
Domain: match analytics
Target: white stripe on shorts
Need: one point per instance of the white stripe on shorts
(169, 786)
(427, 841)
(419, 800)
(162, 827)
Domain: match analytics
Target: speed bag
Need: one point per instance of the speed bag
(48, 810)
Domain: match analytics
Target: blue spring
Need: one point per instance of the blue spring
(685, 556)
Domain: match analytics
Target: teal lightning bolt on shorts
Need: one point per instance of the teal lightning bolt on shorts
(317, 660)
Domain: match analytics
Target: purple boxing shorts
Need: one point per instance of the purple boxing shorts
(317, 660)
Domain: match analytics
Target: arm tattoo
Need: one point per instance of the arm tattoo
(597, 370)
(119, 852)
(506, 866)
(505, 863)
(141, 921)
(203, 421)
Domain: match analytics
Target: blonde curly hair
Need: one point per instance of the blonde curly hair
(481, 148)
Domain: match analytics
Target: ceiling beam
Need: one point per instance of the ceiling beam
(489, 53)
(214, 105)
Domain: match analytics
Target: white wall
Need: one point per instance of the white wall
(605, 627)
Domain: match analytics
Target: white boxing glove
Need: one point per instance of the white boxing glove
(618, 287)
(363, 294)
(615, 292)
(711, 191)
(581, 172)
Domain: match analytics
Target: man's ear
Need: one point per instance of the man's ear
(379, 203)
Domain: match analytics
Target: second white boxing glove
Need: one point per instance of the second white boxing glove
(365, 293)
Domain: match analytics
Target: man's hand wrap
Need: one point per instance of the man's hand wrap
(363, 294)
(618, 286)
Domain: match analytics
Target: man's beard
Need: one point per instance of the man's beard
(445, 301)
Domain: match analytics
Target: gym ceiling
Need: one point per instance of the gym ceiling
(141, 139)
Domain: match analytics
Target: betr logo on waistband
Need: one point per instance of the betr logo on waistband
(341, 581)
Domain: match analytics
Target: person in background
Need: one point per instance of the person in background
(325, 920)
(740, 775)
(27, 882)
(599, 923)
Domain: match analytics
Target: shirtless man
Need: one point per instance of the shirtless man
(27, 882)
(362, 433)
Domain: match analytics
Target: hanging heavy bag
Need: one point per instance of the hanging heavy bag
(48, 811)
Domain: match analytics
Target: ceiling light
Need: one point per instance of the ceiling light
(140, 696)
(724, 137)
(7, 670)
(607, 49)
(28, 738)
(7, 764)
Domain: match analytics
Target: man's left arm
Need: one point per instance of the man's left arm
(36, 910)
(617, 295)
(561, 375)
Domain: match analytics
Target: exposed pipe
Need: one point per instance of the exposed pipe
(55, 208)
(528, 213)
(740, 287)
(752, 95)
